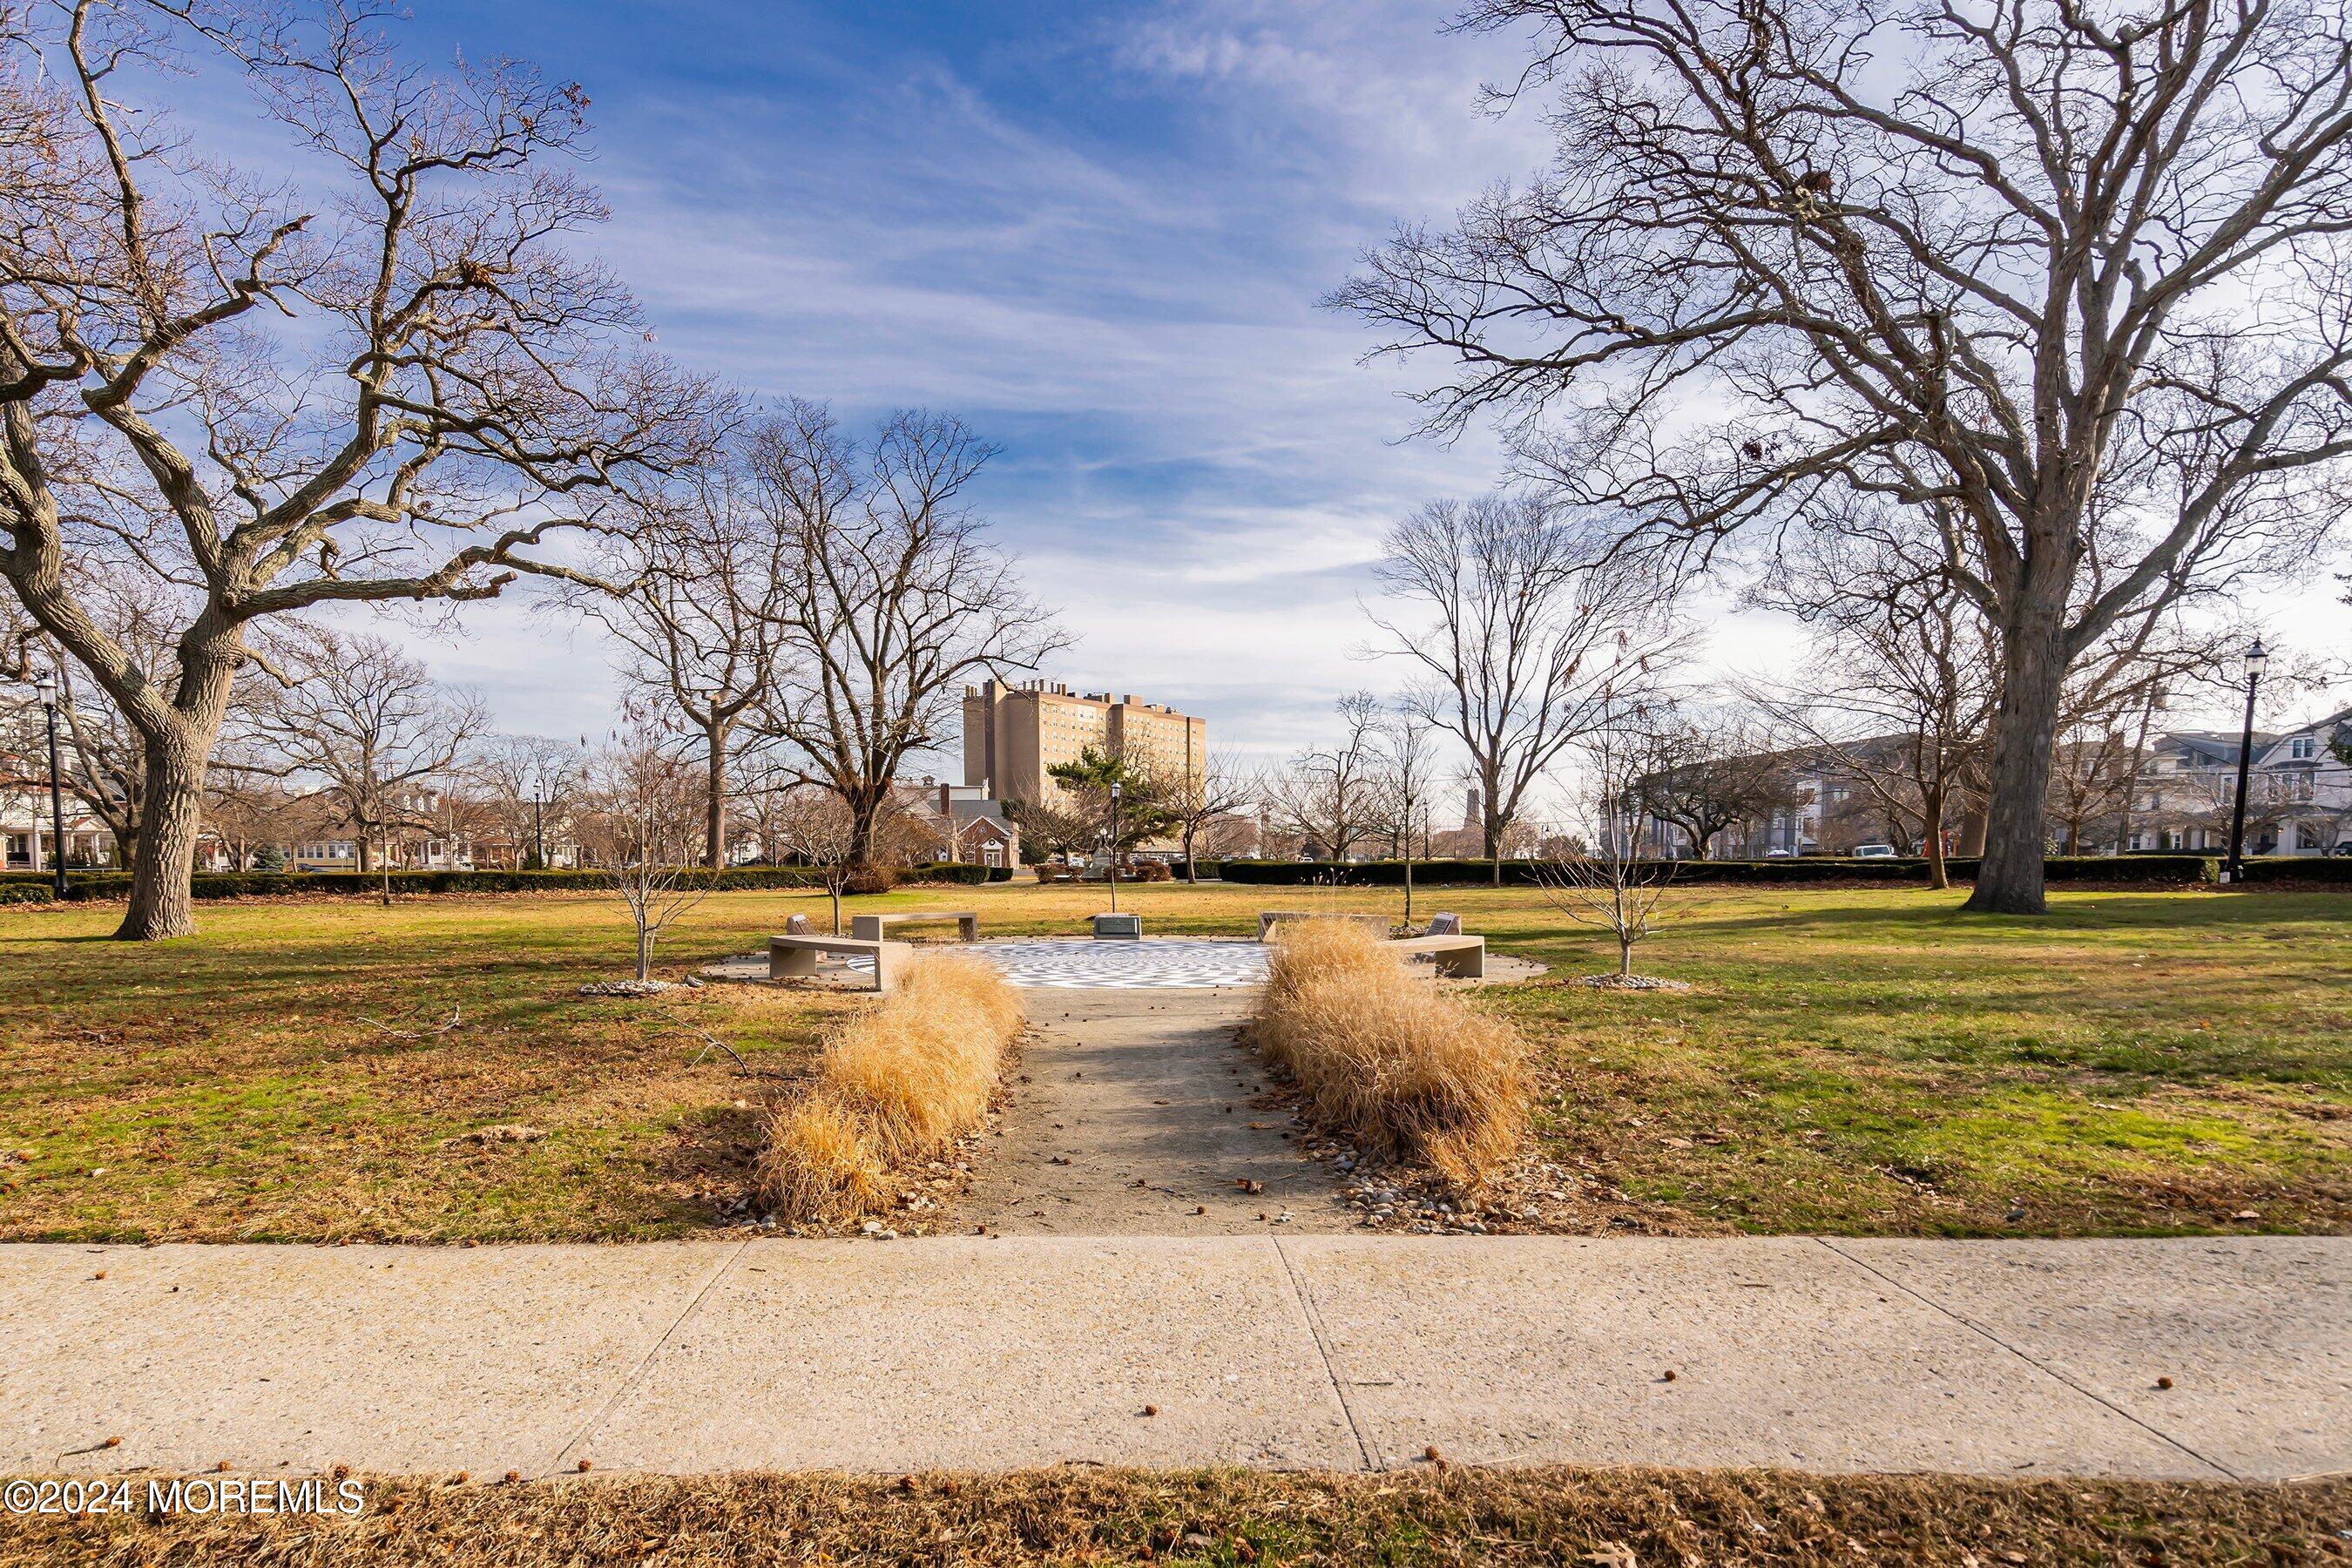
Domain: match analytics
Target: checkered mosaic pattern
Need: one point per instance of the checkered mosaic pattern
(1153, 964)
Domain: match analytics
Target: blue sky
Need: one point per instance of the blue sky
(1096, 233)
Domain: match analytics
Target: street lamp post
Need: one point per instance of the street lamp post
(2236, 868)
(48, 688)
(1114, 846)
(539, 821)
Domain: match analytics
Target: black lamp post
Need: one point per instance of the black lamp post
(539, 821)
(2255, 659)
(1113, 846)
(48, 688)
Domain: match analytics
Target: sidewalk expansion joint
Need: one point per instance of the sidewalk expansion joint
(1322, 1348)
(629, 1379)
(2039, 1365)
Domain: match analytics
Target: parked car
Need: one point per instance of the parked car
(1873, 852)
(1779, 854)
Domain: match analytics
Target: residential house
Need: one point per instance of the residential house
(27, 835)
(958, 823)
(2298, 791)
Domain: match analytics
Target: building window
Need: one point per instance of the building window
(2301, 747)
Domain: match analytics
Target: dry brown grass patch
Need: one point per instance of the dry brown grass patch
(1403, 1066)
(897, 1081)
(1507, 1517)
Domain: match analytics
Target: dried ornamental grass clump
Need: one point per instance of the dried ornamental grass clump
(899, 1081)
(1402, 1067)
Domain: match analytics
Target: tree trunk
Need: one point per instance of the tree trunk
(2010, 877)
(1625, 956)
(864, 812)
(163, 857)
(1931, 812)
(178, 753)
(1191, 863)
(1408, 878)
(645, 953)
(715, 801)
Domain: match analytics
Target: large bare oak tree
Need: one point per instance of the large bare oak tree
(385, 379)
(2072, 275)
(705, 597)
(890, 596)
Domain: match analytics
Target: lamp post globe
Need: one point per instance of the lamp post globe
(2257, 659)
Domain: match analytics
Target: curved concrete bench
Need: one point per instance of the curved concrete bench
(794, 957)
(870, 928)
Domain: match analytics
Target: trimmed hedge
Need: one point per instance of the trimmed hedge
(954, 873)
(2325, 871)
(98, 886)
(17, 892)
(2157, 868)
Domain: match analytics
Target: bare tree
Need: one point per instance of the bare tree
(892, 596)
(396, 394)
(1901, 682)
(1196, 799)
(642, 820)
(1526, 636)
(103, 757)
(1055, 827)
(378, 739)
(248, 814)
(1708, 768)
(1599, 876)
(2072, 280)
(1329, 796)
(814, 825)
(520, 779)
(702, 611)
(1408, 774)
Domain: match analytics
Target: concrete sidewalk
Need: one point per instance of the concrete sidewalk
(1998, 1358)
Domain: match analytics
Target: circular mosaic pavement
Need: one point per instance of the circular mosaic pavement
(1155, 962)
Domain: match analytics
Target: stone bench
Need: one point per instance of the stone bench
(1269, 919)
(794, 957)
(870, 928)
(1456, 957)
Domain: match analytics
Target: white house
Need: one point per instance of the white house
(2298, 791)
(26, 834)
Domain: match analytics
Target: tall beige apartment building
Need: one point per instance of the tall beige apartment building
(1012, 735)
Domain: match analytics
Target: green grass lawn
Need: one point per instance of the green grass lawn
(232, 1086)
(1863, 1061)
